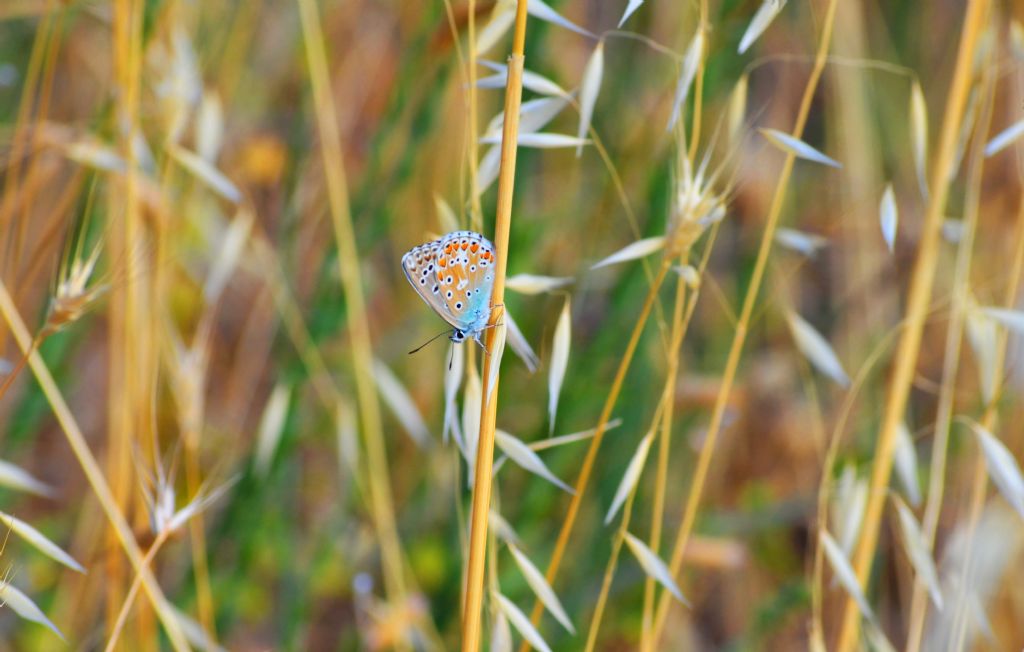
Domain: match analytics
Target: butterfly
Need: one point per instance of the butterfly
(455, 277)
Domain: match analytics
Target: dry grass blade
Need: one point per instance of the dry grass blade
(817, 349)
(487, 170)
(541, 588)
(205, 172)
(797, 147)
(766, 13)
(919, 135)
(534, 284)
(552, 442)
(1011, 319)
(532, 81)
(37, 540)
(501, 634)
(347, 435)
(541, 140)
(630, 477)
(738, 109)
(952, 230)
(94, 155)
(446, 217)
(17, 478)
(589, 88)
(497, 352)
(1002, 467)
(525, 457)
(844, 573)
(638, 249)
(559, 361)
(905, 465)
(23, 605)
(1005, 138)
(654, 566)
(848, 511)
(271, 428)
(690, 64)
(452, 382)
(917, 551)
(518, 342)
(631, 7)
(233, 244)
(471, 420)
(982, 336)
(401, 404)
(888, 217)
(196, 635)
(209, 126)
(501, 21)
(502, 528)
(807, 244)
(521, 623)
(533, 115)
(543, 11)
(689, 275)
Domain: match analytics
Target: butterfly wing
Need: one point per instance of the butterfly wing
(420, 265)
(455, 276)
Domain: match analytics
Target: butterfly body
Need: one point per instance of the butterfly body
(455, 276)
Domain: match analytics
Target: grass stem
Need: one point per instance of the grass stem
(481, 502)
(917, 306)
(742, 327)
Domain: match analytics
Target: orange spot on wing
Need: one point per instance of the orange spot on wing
(443, 262)
(464, 245)
(474, 247)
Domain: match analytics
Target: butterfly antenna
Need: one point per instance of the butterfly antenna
(429, 341)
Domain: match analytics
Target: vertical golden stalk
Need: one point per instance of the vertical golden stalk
(951, 354)
(489, 396)
(126, 403)
(121, 530)
(917, 306)
(359, 330)
(742, 326)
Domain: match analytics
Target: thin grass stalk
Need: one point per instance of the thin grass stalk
(979, 481)
(954, 337)
(481, 502)
(743, 325)
(358, 326)
(91, 468)
(917, 306)
(583, 478)
(126, 403)
(56, 226)
(191, 423)
(133, 590)
(661, 473)
(620, 534)
(824, 487)
(661, 478)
